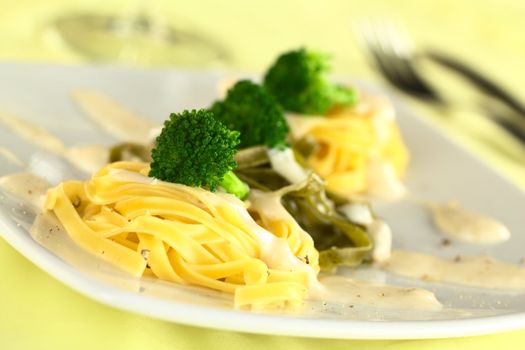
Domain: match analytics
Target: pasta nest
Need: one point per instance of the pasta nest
(348, 140)
(186, 235)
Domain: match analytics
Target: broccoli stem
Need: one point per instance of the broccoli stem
(232, 184)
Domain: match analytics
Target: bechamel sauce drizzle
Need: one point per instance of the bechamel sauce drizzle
(29, 187)
(11, 157)
(89, 158)
(474, 271)
(35, 134)
(339, 289)
(113, 117)
(276, 251)
(382, 181)
(466, 225)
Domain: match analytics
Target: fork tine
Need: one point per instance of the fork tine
(380, 50)
(376, 48)
(398, 49)
(391, 50)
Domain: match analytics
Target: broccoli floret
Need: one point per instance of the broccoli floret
(298, 80)
(251, 110)
(197, 150)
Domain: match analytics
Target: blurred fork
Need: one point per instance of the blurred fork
(393, 53)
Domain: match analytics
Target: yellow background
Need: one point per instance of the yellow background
(37, 312)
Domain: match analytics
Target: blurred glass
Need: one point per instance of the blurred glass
(139, 37)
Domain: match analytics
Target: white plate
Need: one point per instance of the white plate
(439, 171)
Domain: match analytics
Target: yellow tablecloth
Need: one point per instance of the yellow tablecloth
(37, 312)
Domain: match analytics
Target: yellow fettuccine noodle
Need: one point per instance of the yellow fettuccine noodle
(181, 234)
(267, 209)
(348, 138)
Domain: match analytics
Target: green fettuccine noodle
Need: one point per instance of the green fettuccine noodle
(339, 241)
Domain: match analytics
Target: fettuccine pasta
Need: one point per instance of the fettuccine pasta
(349, 139)
(269, 212)
(185, 235)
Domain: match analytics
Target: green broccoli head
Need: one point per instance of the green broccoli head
(251, 110)
(298, 80)
(197, 150)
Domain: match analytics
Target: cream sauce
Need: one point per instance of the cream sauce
(339, 289)
(468, 226)
(382, 237)
(359, 213)
(113, 117)
(269, 203)
(88, 158)
(383, 182)
(275, 251)
(383, 117)
(28, 187)
(475, 271)
(285, 164)
(11, 157)
(34, 134)
(378, 229)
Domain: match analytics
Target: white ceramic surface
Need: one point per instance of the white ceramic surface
(439, 171)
